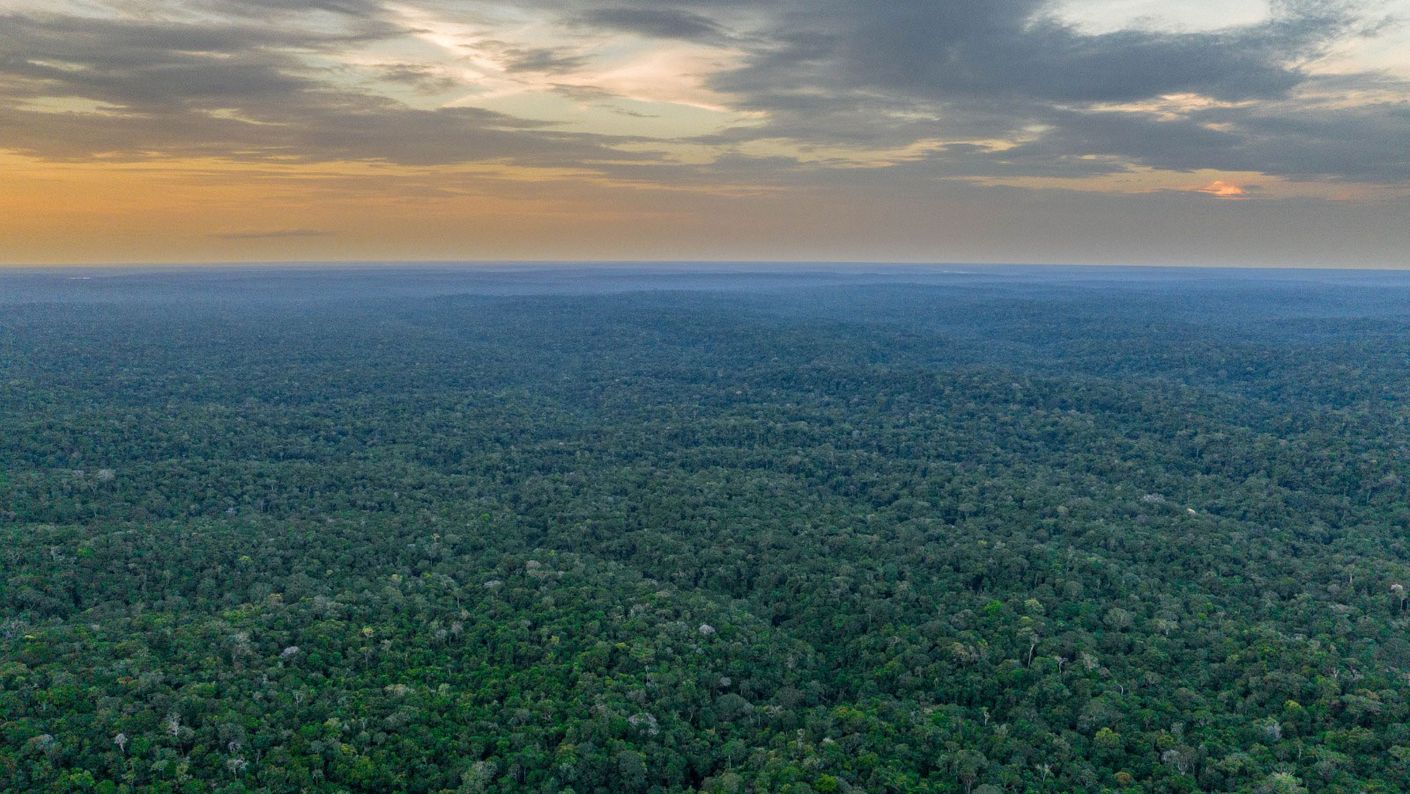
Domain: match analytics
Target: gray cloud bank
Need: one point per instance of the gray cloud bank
(244, 80)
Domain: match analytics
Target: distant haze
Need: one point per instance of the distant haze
(1187, 132)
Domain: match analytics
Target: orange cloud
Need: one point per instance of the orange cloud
(1225, 190)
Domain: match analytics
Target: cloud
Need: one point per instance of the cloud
(244, 92)
(1058, 100)
(353, 9)
(656, 23)
(422, 78)
(543, 59)
(1295, 138)
(815, 88)
(1224, 190)
(968, 50)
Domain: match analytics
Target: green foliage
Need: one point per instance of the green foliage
(931, 539)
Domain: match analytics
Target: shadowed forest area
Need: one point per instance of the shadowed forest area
(722, 529)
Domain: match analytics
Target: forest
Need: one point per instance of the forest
(713, 529)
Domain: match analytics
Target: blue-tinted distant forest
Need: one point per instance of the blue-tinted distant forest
(725, 529)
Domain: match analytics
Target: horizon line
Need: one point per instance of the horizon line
(350, 264)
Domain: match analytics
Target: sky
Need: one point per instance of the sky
(1160, 132)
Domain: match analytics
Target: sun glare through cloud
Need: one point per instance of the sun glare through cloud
(1225, 190)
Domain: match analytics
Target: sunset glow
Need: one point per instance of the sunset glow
(1221, 189)
(192, 131)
